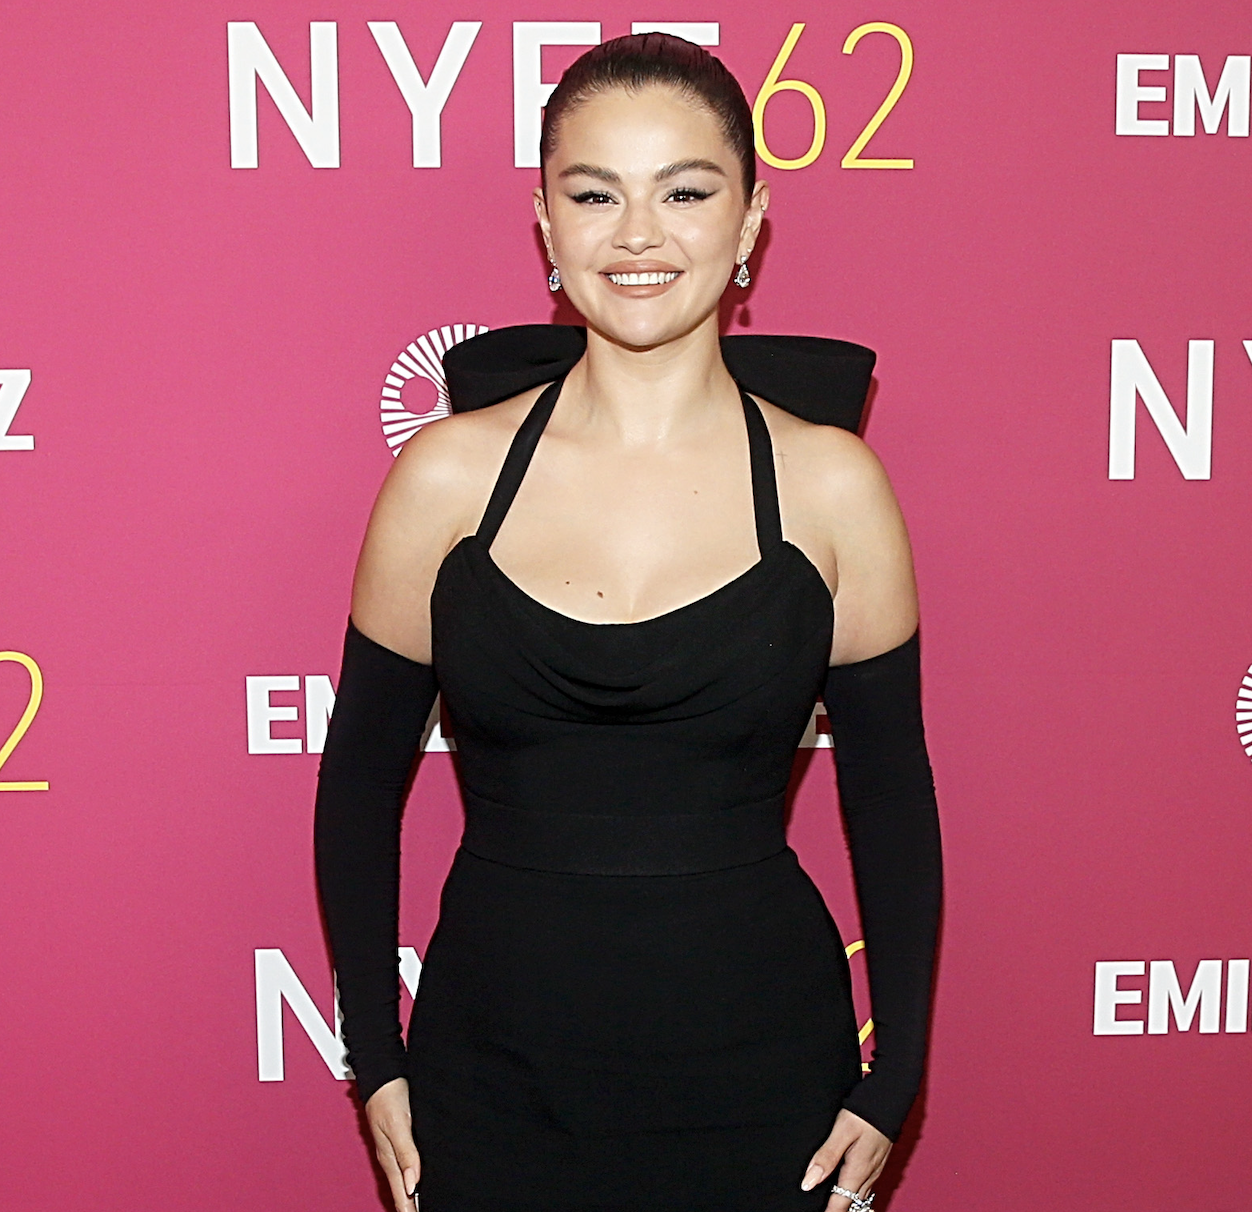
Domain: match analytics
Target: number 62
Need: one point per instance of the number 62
(852, 158)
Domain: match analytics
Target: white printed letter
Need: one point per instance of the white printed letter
(1191, 92)
(1108, 997)
(410, 969)
(13, 385)
(1165, 994)
(1131, 375)
(425, 99)
(250, 61)
(1237, 996)
(530, 93)
(261, 714)
(276, 981)
(319, 702)
(1130, 94)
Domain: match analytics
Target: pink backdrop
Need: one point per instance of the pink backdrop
(206, 348)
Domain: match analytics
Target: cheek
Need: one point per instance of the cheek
(581, 234)
(707, 243)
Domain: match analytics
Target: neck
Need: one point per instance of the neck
(645, 396)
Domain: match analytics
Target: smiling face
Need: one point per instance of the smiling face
(645, 215)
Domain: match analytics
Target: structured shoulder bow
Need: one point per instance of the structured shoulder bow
(816, 378)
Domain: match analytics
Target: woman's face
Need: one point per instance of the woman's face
(645, 183)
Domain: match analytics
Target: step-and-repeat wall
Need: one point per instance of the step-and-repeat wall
(237, 239)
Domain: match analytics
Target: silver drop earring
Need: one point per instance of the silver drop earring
(743, 278)
(554, 279)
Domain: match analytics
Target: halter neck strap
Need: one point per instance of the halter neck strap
(522, 449)
(513, 469)
(764, 479)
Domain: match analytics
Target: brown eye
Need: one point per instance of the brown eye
(689, 195)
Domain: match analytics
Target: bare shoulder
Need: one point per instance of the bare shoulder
(432, 497)
(458, 456)
(825, 467)
(839, 508)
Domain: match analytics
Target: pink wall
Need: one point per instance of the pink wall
(207, 346)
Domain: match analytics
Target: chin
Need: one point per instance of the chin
(642, 331)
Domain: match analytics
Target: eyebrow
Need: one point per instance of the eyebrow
(682, 166)
(664, 173)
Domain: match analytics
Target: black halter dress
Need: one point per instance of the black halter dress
(635, 998)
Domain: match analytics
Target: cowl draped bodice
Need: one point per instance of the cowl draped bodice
(657, 747)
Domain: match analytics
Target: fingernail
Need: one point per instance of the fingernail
(812, 1177)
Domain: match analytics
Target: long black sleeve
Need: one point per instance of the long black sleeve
(381, 707)
(888, 800)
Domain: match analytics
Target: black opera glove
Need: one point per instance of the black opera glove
(887, 795)
(381, 709)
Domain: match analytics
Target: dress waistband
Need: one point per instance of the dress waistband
(576, 843)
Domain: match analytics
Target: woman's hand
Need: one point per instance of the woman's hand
(863, 1151)
(391, 1122)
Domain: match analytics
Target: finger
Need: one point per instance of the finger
(862, 1164)
(392, 1127)
(403, 1184)
(868, 1185)
(410, 1172)
(400, 1166)
(837, 1203)
(395, 1179)
(841, 1202)
(826, 1160)
(408, 1165)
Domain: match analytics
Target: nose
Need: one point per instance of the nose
(639, 229)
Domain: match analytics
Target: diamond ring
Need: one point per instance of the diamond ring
(858, 1204)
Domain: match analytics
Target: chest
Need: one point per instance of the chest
(628, 536)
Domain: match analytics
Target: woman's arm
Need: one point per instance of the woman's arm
(886, 792)
(873, 697)
(381, 706)
(386, 689)
(887, 797)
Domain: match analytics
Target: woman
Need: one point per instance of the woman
(630, 584)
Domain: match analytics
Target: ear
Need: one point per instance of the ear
(758, 204)
(545, 224)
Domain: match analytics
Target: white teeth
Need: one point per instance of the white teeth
(641, 279)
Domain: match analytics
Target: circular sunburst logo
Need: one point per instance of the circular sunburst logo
(1243, 712)
(419, 359)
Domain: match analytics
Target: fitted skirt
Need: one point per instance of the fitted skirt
(586, 1043)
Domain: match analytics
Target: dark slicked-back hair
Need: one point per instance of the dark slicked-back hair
(639, 61)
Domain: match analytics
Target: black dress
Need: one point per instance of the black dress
(635, 998)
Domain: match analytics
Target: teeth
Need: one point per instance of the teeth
(641, 279)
